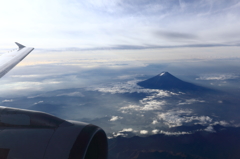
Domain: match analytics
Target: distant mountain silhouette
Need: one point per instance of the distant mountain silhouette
(166, 81)
(222, 144)
(152, 154)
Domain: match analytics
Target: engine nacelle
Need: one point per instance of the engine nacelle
(26, 134)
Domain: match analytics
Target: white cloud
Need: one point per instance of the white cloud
(119, 134)
(128, 76)
(143, 132)
(203, 120)
(124, 132)
(132, 87)
(19, 88)
(154, 122)
(174, 118)
(127, 130)
(174, 133)
(223, 123)
(127, 109)
(79, 94)
(218, 77)
(115, 118)
(7, 100)
(38, 102)
(210, 129)
(191, 101)
(128, 87)
(155, 131)
(153, 105)
(147, 106)
(149, 103)
(26, 76)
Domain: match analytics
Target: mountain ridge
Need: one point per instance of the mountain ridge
(167, 81)
(222, 144)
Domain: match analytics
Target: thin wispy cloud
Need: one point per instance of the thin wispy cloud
(218, 77)
(190, 101)
(38, 102)
(7, 100)
(74, 94)
(96, 24)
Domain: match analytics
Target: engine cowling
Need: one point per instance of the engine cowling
(26, 134)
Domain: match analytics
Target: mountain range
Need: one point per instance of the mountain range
(222, 144)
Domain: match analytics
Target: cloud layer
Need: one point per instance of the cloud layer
(120, 23)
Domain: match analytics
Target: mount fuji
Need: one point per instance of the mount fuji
(166, 81)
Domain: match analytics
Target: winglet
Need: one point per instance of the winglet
(20, 46)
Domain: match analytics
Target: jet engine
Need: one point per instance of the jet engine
(26, 134)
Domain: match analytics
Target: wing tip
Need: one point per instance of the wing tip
(20, 46)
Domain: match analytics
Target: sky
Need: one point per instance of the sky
(119, 24)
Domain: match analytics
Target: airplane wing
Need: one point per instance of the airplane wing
(9, 60)
(26, 134)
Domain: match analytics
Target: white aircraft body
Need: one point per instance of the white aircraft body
(26, 134)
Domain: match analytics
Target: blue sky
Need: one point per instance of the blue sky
(120, 24)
